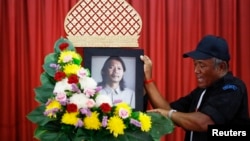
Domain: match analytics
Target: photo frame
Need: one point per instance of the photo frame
(94, 59)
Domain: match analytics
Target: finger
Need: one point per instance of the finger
(142, 57)
(146, 57)
(154, 110)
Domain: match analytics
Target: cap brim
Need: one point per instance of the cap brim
(197, 55)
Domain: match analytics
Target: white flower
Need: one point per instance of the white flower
(103, 99)
(80, 100)
(87, 83)
(61, 86)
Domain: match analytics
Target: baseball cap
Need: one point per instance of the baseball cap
(208, 47)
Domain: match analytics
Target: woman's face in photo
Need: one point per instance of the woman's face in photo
(115, 71)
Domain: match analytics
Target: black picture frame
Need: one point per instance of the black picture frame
(94, 58)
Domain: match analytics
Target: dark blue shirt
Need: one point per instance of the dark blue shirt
(225, 102)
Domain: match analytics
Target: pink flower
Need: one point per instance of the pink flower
(104, 121)
(67, 59)
(123, 113)
(79, 123)
(82, 73)
(90, 103)
(61, 97)
(89, 92)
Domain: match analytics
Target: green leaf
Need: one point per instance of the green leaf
(135, 136)
(37, 116)
(50, 59)
(81, 134)
(135, 114)
(44, 92)
(161, 126)
(47, 80)
(49, 133)
(129, 135)
(77, 61)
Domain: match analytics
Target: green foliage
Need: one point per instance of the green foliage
(47, 80)
(50, 59)
(37, 117)
(50, 130)
(161, 126)
(43, 93)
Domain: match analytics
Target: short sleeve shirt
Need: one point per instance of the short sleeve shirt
(117, 95)
(225, 102)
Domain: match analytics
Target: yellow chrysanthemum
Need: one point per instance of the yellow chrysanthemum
(71, 69)
(52, 106)
(70, 118)
(123, 105)
(68, 56)
(145, 120)
(116, 126)
(92, 122)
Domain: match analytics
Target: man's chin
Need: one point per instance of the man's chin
(201, 85)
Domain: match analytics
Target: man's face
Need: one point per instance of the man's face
(206, 72)
(115, 71)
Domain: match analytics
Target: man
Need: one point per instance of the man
(220, 98)
(113, 83)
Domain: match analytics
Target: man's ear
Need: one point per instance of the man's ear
(223, 66)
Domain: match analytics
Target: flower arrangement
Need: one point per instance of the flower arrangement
(71, 108)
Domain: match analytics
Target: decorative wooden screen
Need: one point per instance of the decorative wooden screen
(103, 23)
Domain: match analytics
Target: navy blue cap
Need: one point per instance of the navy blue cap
(210, 46)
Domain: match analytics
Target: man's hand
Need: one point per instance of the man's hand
(147, 66)
(163, 112)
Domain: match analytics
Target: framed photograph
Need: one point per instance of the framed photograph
(119, 71)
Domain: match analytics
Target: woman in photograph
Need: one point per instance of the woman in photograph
(113, 83)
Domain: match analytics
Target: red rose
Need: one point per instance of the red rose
(73, 79)
(105, 107)
(59, 76)
(71, 107)
(63, 46)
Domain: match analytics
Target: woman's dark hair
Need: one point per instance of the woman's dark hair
(105, 70)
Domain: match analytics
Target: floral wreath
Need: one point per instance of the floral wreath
(71, 108)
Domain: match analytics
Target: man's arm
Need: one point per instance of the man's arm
(156, 99)
(194, 121)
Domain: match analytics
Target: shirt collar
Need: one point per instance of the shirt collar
(111, 90)
(221, 81)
